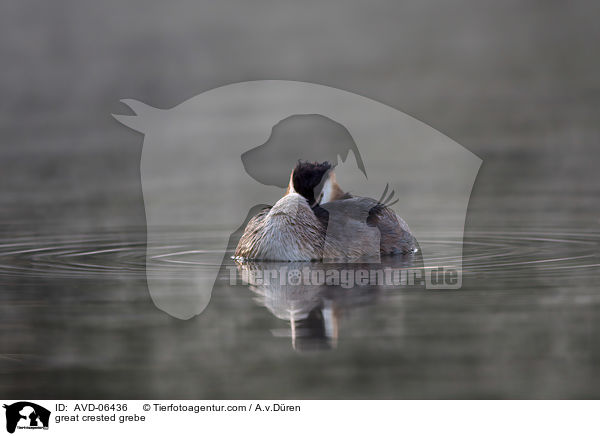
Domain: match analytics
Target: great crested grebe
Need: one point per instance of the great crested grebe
(317, 220)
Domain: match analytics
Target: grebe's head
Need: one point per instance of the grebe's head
(308, 179)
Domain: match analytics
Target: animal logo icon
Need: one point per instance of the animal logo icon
(211, 160)
(27, 415)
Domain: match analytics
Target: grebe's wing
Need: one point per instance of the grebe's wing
(355, 219)
(396, 237)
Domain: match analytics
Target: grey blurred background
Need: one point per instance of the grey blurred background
(517, 83)
(497, 77)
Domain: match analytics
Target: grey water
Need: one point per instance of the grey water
(515, 83)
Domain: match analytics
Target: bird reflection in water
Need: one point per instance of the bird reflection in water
(314, 308)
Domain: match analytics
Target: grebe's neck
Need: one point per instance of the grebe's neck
(331, 190)
(290, 189)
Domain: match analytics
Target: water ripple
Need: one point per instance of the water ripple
(122, 253)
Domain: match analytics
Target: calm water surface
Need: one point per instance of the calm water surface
(79, 323)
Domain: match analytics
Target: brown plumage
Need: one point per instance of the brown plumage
(317, 220)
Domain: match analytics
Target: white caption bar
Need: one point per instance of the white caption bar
(264, 417)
